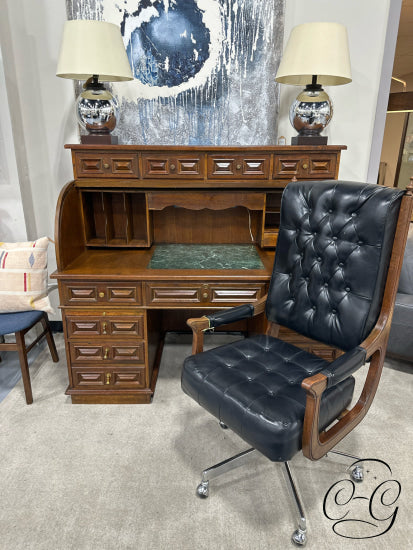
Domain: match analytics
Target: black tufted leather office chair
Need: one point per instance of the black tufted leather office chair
(337, 264)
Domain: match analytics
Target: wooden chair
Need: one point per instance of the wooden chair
(20, 323)
(337, 265)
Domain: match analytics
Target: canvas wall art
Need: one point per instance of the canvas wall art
(204, 69)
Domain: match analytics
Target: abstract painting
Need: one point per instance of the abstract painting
(204, 69)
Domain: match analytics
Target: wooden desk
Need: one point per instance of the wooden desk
(126, 200)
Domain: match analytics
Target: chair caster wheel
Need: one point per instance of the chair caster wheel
(299, 537)
(223, 426)
(203, 489)
(357, 474)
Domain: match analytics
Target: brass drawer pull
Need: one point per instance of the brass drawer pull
(106, 165)
(305, 166)
(239, 166)
(106, 354)
(108, 377)
(104, 326)
(101, 294)
(173, 166)
(205, 292)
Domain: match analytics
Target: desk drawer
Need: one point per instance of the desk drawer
(108, 379)
(179, 166)
(106, 352)
(108, 165)
(238, 166)
(101, 293)
(112, 323)
(202, 293)
(320, 166)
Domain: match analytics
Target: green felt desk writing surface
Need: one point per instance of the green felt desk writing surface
(205, 256)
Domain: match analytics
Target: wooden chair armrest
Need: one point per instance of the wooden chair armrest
(316, 443)
(198, 326)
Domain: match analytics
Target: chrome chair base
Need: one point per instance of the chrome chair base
(221, 468)
(299, 536)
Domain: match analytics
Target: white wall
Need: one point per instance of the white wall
(41, 109)
(12, 222)
(355, 103)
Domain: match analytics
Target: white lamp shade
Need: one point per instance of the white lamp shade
(316, 49)
(93, 48)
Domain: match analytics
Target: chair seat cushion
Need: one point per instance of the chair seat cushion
(14, 322)
(254, 387)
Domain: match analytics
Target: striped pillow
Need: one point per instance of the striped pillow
(23, 276)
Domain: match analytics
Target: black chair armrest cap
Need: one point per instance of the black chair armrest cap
(344, 366)
(230, 315)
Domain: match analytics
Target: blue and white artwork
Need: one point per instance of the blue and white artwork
(204, 69)
(169, 46)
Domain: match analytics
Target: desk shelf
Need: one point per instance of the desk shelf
(116, 218)
(271, 218)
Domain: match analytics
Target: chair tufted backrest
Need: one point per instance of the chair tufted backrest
(332, 256)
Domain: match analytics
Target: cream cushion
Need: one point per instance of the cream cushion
(23, 276)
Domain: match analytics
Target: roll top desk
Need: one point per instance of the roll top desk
(147, 236)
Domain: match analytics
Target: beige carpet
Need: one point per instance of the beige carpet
(124, 476)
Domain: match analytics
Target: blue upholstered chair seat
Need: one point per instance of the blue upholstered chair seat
(254, 387)
(14, 322)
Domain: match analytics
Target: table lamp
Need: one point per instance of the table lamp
(316, 54)
(94, 51)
